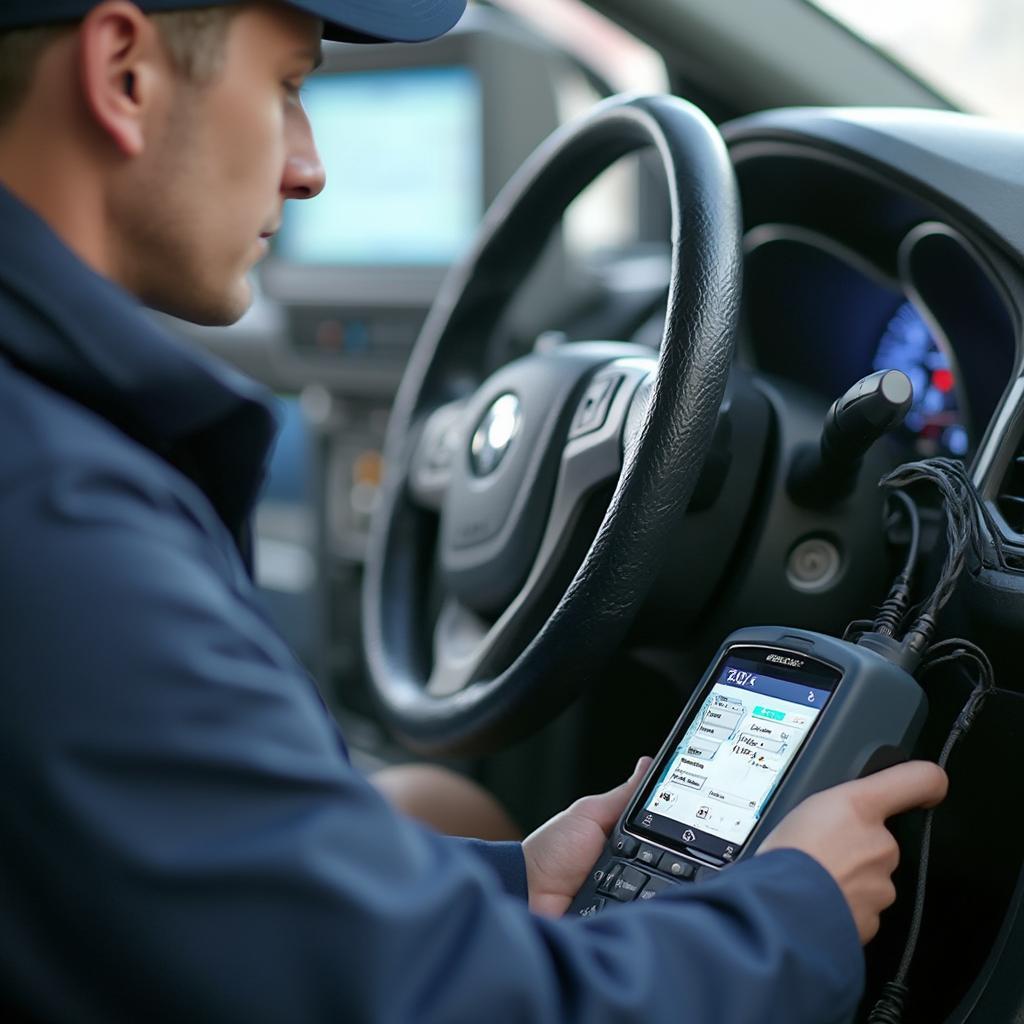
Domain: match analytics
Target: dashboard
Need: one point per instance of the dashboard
(935, 419)
(818, 313)
(853, 265)
(878, 238)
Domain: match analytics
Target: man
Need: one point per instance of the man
(182, 836)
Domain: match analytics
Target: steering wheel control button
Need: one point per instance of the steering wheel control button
(626, 846)
(649, 855)
(813, 565)
(593, 408)
(676, 867)
(594, 907)
(627, 884)
(494, 435)
(655, 886)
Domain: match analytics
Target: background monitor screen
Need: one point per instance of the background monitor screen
(403, 152)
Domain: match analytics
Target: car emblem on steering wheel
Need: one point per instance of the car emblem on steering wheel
(495, 434)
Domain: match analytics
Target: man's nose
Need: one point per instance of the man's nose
(304, 175)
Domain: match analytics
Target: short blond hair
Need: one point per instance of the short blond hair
(194, 39)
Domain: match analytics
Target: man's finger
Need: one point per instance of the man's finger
(902, 788)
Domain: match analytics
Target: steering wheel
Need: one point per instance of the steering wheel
(488, 602)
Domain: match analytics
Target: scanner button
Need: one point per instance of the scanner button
(648, 855)
(627, 884)
(592, 907)
(655, 886)
(608, 882)
(676, 866)
(625, 846)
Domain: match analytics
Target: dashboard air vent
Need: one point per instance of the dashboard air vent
(1010, 499)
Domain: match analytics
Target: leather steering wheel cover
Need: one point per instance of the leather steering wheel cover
(659, 473)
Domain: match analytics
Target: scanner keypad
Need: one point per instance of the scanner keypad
(618, 878)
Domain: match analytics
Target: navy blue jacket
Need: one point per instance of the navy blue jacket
(182, 836)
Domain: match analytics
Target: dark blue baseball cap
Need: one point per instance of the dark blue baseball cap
(354, 21)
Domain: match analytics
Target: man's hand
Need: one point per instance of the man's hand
(563, 850)
(844, 830)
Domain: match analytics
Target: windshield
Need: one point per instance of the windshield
(970, 50)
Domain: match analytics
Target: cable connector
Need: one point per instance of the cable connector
(970, 710)
(920, 636)
(889, 1008)
(897, 651)
(894, 607)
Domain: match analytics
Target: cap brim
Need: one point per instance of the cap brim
(384, 21)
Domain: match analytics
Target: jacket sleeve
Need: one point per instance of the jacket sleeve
(181, 838)
(505, 859)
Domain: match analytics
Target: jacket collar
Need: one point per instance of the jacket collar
(82, 335)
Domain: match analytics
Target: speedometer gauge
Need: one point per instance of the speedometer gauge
(934, 421)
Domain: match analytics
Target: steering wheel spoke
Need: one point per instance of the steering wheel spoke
(460, 641)
(591, 458)
(430, 468)
(465, 641)
(593, 452)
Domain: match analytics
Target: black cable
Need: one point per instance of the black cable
(967, 521)
(957, 469)
(914, 931)
(894, 607)
(888, 1009)
(958, 648)
(913, 545)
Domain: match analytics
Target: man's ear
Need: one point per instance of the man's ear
(121, 64)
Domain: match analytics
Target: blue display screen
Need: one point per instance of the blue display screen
(934, 419)
(730, 756)
(404, 159)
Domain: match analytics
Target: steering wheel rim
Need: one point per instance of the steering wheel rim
(659, 470)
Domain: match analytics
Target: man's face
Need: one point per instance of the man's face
(198, 206)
